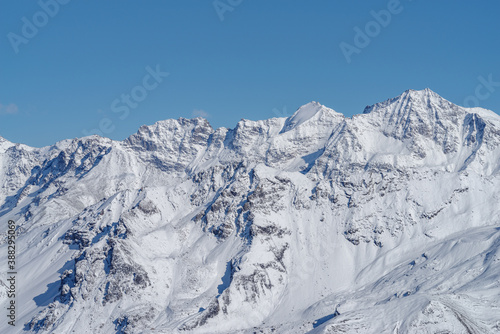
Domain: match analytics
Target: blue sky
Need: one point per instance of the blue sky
(103, 64)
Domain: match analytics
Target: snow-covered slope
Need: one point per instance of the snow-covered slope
(386, 222)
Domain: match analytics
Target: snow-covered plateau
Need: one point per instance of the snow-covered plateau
(385, 222)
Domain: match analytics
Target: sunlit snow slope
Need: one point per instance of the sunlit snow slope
(386, 222)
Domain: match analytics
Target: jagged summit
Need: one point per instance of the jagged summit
(4, 144)
(425, 102)
(417, 92)
(422, 97)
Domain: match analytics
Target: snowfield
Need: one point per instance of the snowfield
(386, 222)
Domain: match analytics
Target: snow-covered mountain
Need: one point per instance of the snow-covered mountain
(386, 222)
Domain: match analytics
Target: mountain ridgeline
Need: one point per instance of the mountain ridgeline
(385, 222)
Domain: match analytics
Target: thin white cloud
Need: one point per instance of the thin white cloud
(200, 113)
(8, 109)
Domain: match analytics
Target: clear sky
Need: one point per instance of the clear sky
(70, 67)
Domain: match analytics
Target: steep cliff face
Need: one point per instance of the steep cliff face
(316, 223)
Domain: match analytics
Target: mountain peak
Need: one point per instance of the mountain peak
(311, 104)
(4, 143)
(305, 113)
(420, 91)
(414, 97)
(425, 93)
